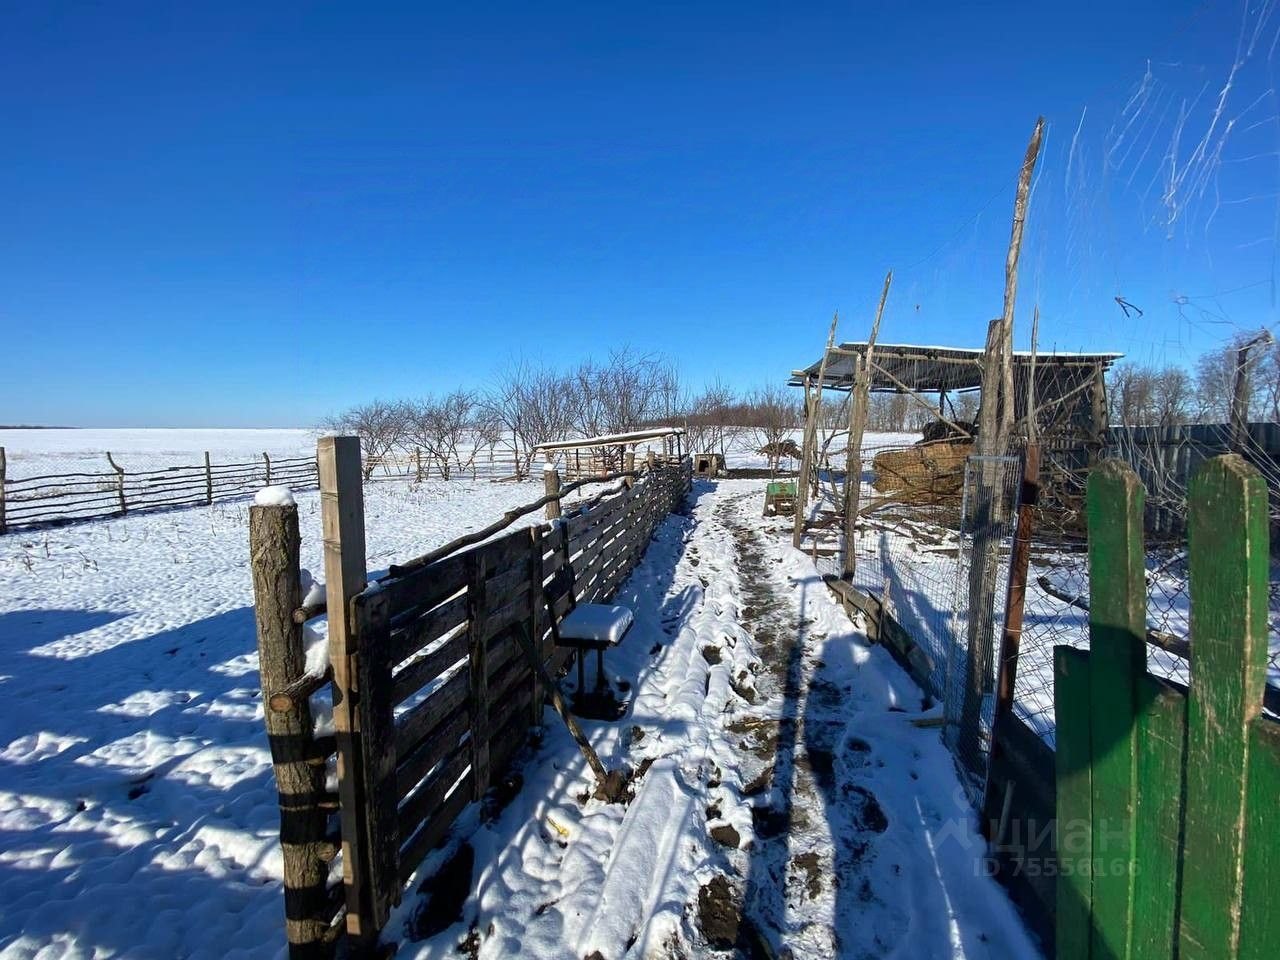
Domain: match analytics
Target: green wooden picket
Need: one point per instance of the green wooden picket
(1228, 547)
(1117, 657)
(1181, 857)
(1075, 801)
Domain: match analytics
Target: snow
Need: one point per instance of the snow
(560, 875)
(140, 815)
(137, 803)
(274, 497)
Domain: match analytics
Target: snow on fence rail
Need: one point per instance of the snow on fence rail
(89, 494)
(430, 689)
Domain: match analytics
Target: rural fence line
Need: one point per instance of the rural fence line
(114, 491)
(430, 684)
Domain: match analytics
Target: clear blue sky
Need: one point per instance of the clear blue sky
(255, 214)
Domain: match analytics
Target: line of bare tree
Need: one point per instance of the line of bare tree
(1141, 395)
(529, 404)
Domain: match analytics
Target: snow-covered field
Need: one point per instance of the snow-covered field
(137, 807)
(139, 814)
(35, 452)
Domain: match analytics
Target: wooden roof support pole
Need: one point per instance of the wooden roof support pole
(802, 482)
(813, 411)
(859, 400)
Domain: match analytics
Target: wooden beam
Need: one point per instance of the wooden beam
(342, 520)
(812, 414)
(858, 402)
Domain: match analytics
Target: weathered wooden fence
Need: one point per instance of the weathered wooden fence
(1166, 458)
(1167, 842)
(115, 491)
(431, 692)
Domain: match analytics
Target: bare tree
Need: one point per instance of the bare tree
(773, 416)
(534, 404)
(440, 426)
(380, 425)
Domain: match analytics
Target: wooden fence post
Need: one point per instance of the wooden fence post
(342, 519)
(273, 550)
(124, 507)
(1228, 546)
(266, 459)
(629, 464)
(3, 525)
(550, 485)
(1117, 658)
(1015, 601)
(208, 478)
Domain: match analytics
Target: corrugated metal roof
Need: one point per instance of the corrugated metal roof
(928, 369)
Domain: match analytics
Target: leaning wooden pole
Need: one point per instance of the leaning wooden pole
(813, 412)
(1021, 201)
(988, 509)
(859, 400)
(305, 849)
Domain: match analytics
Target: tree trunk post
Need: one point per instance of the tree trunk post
(1015, 602)
(342, 520)
(551, 485)
(859, 402)
(3, 524)
(273, 550)
(208, 478)
(266, 463)
(629, 465)
(650, 459)
(124, 507)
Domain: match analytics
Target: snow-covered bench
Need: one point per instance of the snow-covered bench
(587, 626)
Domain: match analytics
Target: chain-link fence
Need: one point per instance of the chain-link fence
(1057, 602)
(932, 546)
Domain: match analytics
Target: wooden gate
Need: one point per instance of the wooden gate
(1167, 837)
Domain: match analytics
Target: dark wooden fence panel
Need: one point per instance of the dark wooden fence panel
(432, 690)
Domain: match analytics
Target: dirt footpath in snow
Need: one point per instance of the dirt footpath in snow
(786, 805)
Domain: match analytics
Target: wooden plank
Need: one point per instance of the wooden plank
(421, 671)
(1259, 918)
(1162, 731)
(342, 522)
(478, 672)
(377, 723)
(1071, 676)
(1228, 548)
(418, 722)
(1117, 631)
(422, 630)
(425, 800)
(426, 586)
(434, 829)
(441, 742)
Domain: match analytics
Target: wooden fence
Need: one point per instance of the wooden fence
(1167, 843)
(114, 491)
(431, 690)
(1166, 458)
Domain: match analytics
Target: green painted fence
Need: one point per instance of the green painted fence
(1168, 800)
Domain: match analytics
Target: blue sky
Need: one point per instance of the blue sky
(257, 214)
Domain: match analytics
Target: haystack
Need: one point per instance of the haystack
(927, 473)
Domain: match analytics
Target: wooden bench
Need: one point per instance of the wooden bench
(587, 626)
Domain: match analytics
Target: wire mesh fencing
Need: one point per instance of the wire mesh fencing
(932, 545)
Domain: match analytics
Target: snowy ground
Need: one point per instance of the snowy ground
(786, 799)
(138, 812)
(137, 809)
